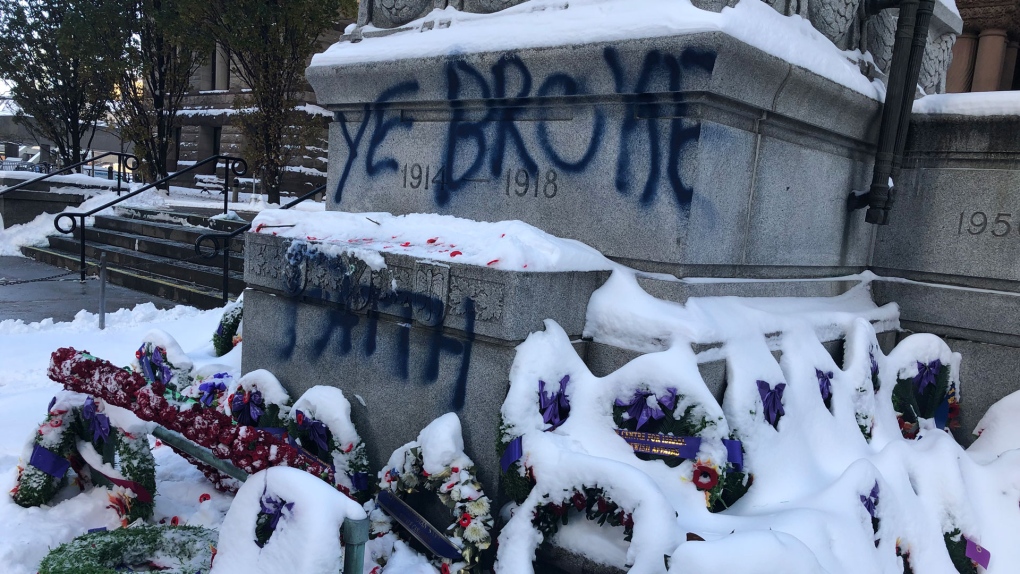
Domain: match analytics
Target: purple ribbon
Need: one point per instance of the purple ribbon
(734, 453)
(874, 364)
(247, 407)
(210, 391)
(99, 423)
(977, 553)
(640, 410)
(555, 407)
(147, 360)
(657, 442)
(100, 529)
(49, 462)
(772, 400)
(513, 453)
(274, 507)
(926, 375)
(53, 403)
(870, 502)
(316, 430)
(824, 384)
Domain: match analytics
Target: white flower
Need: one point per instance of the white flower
(475, 532)
(455, 494)
(478, 507)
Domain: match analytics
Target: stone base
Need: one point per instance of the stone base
(665, 153)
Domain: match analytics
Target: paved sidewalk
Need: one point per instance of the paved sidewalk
(60, 298)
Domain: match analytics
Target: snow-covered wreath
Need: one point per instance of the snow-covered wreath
(436, 463)
(320, 424)
(78, 434)
(167, 549)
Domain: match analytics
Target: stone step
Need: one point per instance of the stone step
(194, 216)
(204, 275)
(154, 284)
(159, 230)
(171, 250)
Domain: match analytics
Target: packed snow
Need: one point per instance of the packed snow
(546, 23)
(970, 104)
(509, 245)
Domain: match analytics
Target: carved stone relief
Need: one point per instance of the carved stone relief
(394, 13)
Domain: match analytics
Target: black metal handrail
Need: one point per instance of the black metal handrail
(232, 164)
(124, 161)
(226, 237)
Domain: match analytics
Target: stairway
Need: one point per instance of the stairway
(153, 252)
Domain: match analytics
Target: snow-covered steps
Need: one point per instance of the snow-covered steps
(152, 252)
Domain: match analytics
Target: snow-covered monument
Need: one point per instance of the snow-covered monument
(700, 150)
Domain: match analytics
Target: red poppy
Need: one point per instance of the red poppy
(446, 568)
(455, 470)
(300, 417)
(175, 521)
(579, 501)
(455, 253)
(465, 520)
(205, 496)
(705, 477)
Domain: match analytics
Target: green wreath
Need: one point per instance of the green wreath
(225, 337)
(56, 447)
(930, 394)
(458, 490)
(170, 549)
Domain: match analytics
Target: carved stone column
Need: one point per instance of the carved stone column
(961, 71)
(1009, 66)
(991, 53)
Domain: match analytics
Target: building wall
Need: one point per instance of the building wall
(985, 55)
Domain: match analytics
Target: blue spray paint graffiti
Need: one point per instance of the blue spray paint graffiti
(344, 325)
(652, 98)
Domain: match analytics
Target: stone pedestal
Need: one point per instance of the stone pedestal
(955, 232)
(692, 154)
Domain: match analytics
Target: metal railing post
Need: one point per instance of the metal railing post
(81, 247)
(226, 271)
(226, 185)
(102, 291)
(354, 534)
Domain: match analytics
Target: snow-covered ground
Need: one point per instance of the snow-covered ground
(26, 535)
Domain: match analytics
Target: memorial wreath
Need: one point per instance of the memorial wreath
(167, 549)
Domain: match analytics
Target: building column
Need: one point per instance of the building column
(991, 53)
(11, 150)
(1009, 66)
(44, 154)
(961, 71)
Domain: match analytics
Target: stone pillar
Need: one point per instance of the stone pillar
(222, 63)
(44, 154)
(1009, 66)
(11, 150)
(961, 71)
(991, 53)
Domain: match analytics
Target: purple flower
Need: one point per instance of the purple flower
(642, 410)
(772, 400)
(316, 430)
(99, 424)
(926, 375)
(870, 502)
(247, 407)
(210, 391)
(555, 407)
(824, 384)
